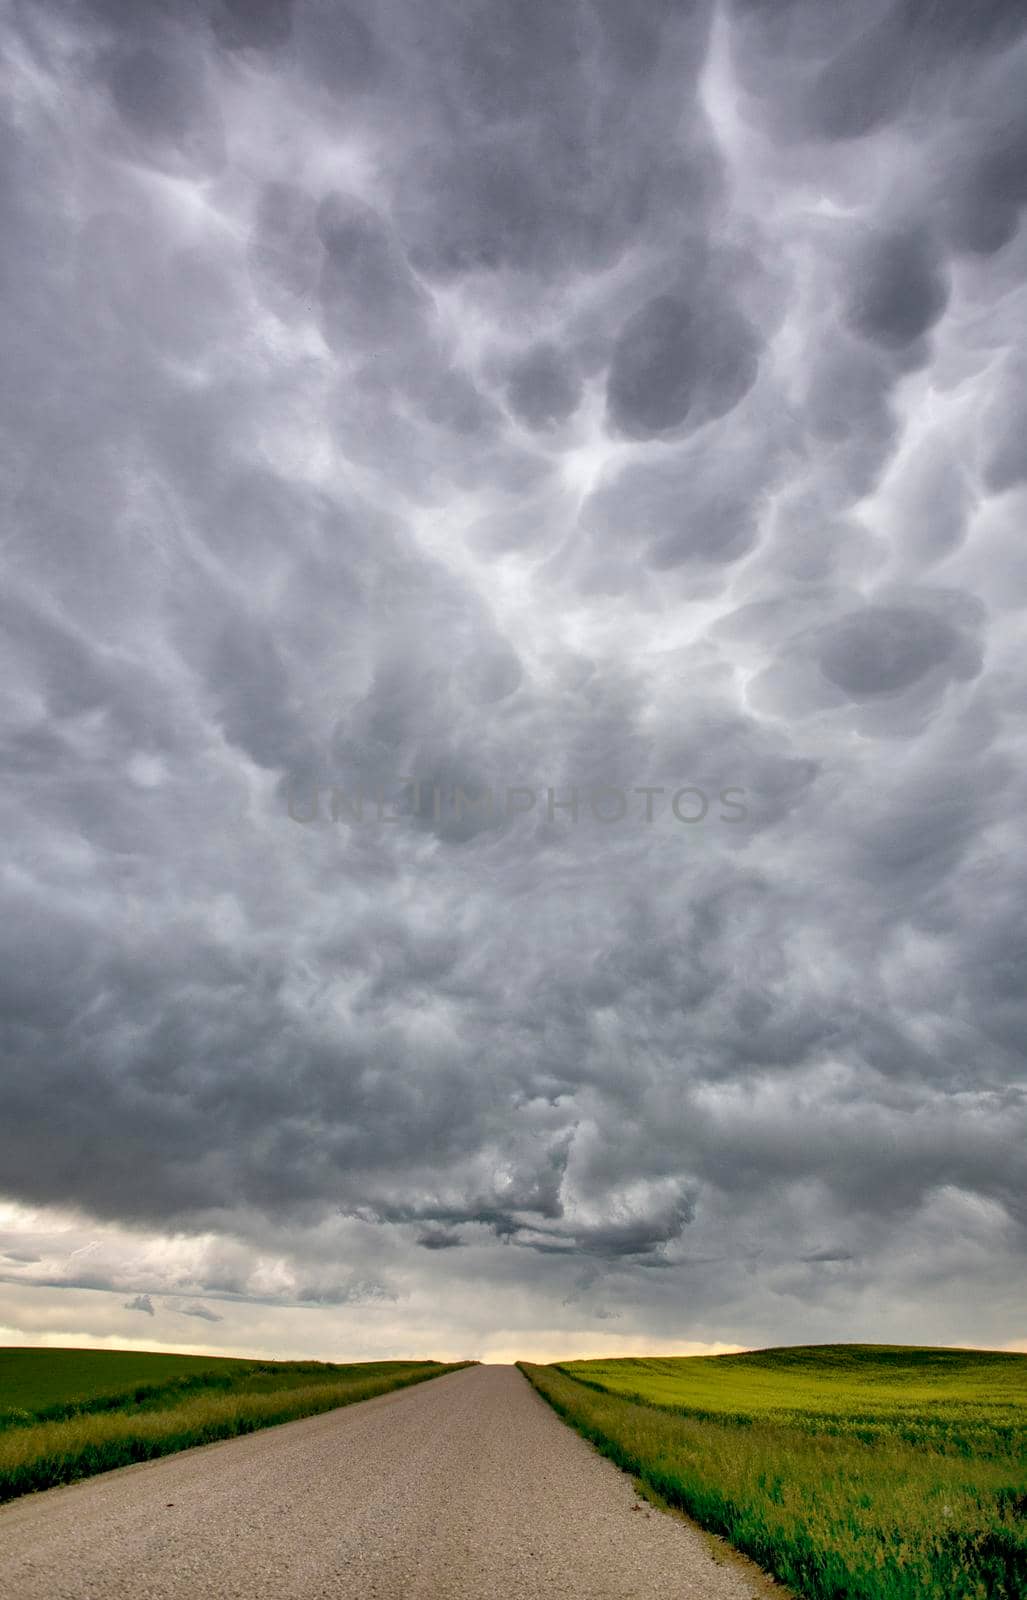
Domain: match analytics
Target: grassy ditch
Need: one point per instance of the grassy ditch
(860, 1513)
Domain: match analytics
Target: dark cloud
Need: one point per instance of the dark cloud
(836, 72)
(889, 663)
(954, 30)
(692, 508)
(546, 156)
(163, 99)
(899, 289)
(155, 94)
(339, 48)
(674, 355)
(867, 83)
(197, 1310)
(260, 24)
(515, 397)
(1003, 430)
(885, 649)
(655, 364)
(368, 293)
(543, 388)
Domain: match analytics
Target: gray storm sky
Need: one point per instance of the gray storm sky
(521, 395)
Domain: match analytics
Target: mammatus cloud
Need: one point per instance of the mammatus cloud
(558, 400)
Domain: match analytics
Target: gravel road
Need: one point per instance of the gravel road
(462, 1488)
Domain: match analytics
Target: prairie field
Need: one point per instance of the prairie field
(40, 1384)
(850, 1472)
(66, 1414)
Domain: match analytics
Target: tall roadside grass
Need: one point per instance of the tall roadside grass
(40, 1455)
(833, 1516)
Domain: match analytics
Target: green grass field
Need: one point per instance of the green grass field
(850, 1472)
(49, 1383)
(65, 1414)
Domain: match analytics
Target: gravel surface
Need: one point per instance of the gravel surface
(462, 1488)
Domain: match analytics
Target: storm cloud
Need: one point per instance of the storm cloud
(553, 401)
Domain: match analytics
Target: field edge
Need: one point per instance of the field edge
(719, 1547)
(69, 1455)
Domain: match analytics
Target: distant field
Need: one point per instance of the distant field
(851, 1472)
(971, 1402)
(65, 1414)
(47, 1381)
